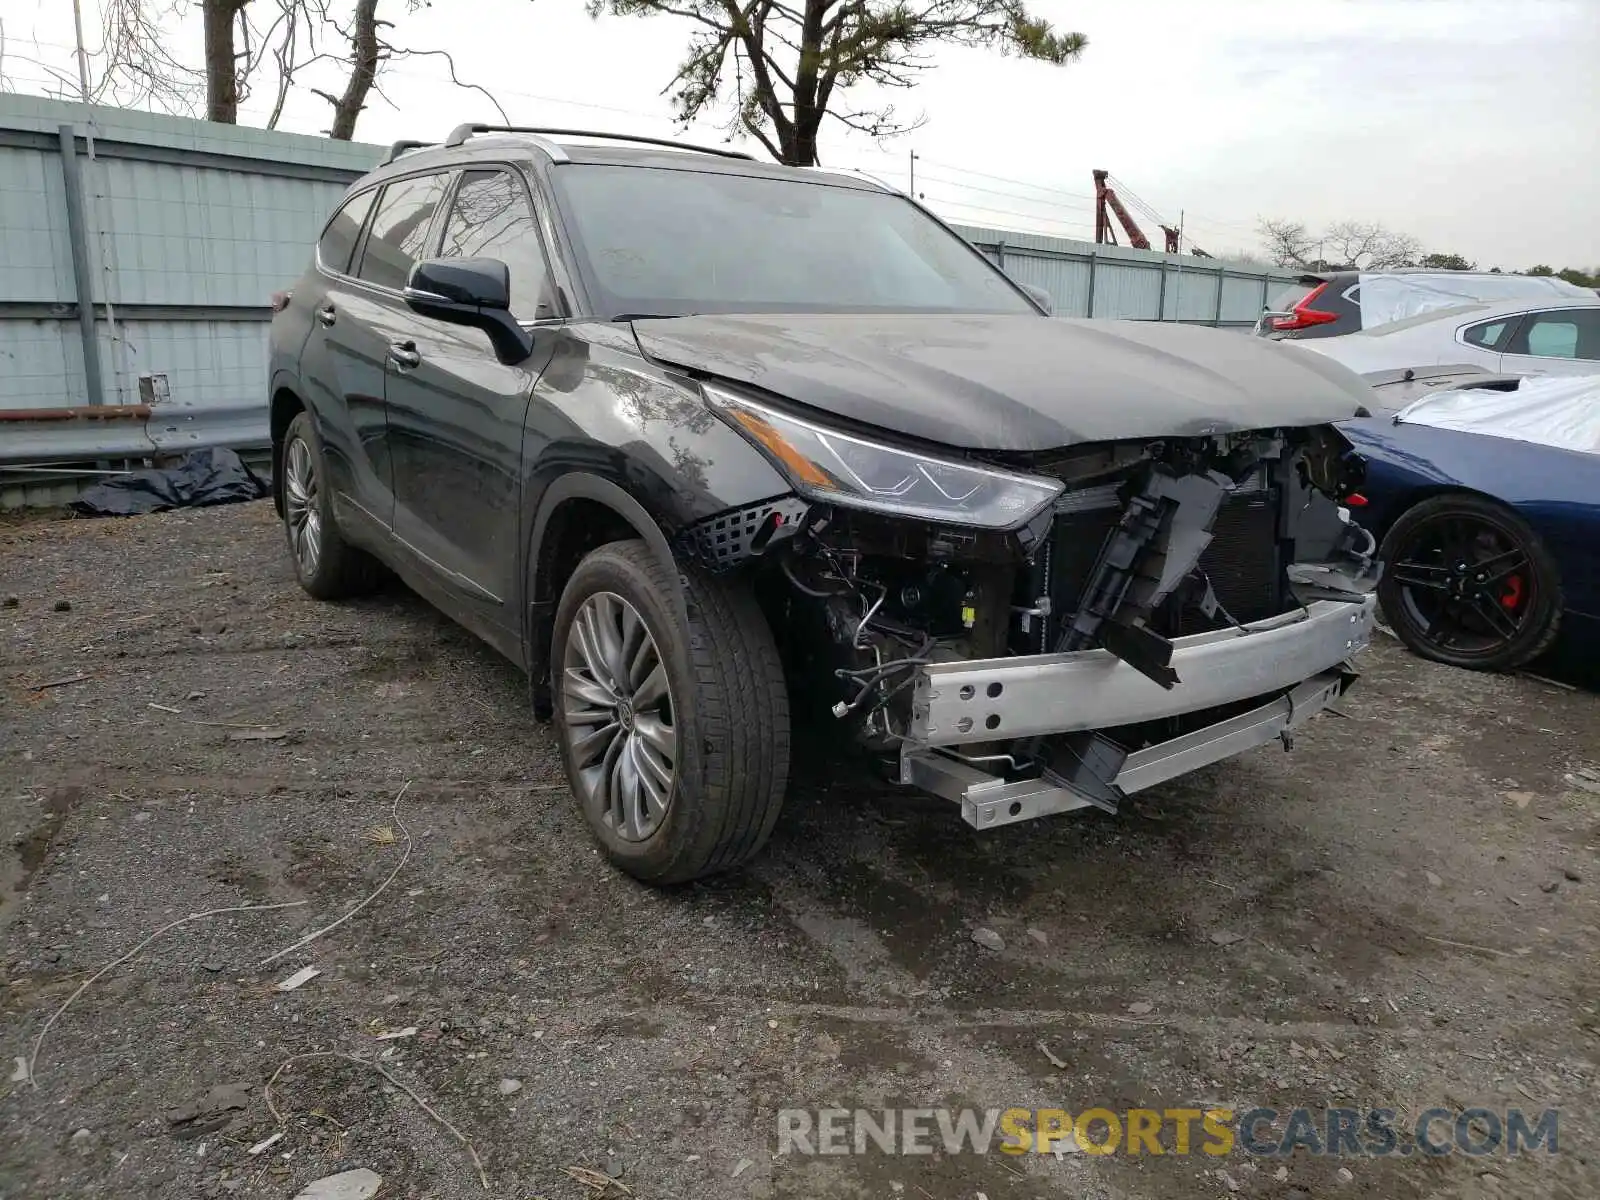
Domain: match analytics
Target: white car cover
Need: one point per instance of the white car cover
(1561, 412)
(1386, 298)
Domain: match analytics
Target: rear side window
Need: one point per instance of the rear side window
(492, 218)
(1563, 333)
(339, 239)
(1489, 335)
(399, 232)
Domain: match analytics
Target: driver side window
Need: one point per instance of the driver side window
(491, 217)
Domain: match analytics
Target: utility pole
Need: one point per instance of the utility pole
(1177, 311)
(83, 74)
(913, 187)
(86, 294)
(83, 54)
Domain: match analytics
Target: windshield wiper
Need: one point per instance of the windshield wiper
(648, 317)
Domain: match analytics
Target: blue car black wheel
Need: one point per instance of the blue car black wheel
(1466, 582)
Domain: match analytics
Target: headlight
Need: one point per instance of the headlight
(840, 468)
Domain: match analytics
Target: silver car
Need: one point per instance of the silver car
(1551, 337)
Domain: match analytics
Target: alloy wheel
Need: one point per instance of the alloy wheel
(617, 708)
(300, 506)
(1466, 584)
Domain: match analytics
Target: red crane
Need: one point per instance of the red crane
(1105, 197)
(1107, 202)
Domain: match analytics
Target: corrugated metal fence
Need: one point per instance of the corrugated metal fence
(178, 231)
(1086, 280)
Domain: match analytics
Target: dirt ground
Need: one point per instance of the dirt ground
(1404, 912)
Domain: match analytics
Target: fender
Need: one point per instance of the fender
(581, 485)
(659, 462)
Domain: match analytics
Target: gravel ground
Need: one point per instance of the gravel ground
(1403, 913)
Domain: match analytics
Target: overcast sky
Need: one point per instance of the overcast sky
(1469, 123)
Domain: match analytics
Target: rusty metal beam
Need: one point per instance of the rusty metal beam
(79, 412)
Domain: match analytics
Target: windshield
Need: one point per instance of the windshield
(658, 241)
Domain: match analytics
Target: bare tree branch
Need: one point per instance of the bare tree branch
(285, 54)
(1367, 244)
(1350, 245)
(133, 67)
(450, 65)
(370, 51)
(1288, 243)
(68, 88)
(244, 40)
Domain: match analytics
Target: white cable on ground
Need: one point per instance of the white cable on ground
(33, 1058)
(316, 933)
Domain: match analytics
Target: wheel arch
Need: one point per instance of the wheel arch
(285, 406)
(1411, 497)
(577, 513)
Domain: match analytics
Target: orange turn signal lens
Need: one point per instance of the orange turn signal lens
(803, 468)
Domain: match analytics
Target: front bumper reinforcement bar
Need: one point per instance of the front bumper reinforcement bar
(986, 700)
(987, 800)
(1298, 659)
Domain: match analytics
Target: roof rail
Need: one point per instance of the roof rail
(870, 178)
(399, 148)
(461, 133)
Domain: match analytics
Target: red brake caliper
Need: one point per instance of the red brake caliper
(1511, 598)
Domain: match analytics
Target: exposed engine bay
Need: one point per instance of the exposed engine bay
(1149, 542)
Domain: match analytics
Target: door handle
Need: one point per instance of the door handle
(326, 315)
(405, 354)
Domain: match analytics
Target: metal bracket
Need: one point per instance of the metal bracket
(1156, 544)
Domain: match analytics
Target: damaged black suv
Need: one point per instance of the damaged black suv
(698, 441)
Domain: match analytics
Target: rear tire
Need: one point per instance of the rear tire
(327, 566)
(1468, 583)
(674, 734)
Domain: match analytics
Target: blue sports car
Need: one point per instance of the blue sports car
(1491, 542)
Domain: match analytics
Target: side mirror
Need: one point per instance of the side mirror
(470, 291)
(1040, 297)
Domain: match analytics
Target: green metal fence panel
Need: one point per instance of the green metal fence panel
(181, 229)
(1127, 291)
(38, 260)
(1086, 280)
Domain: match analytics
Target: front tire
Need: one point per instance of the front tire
(326, 565)
(674, 734)
(1468, 583)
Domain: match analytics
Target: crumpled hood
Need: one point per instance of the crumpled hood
(1014, 382)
